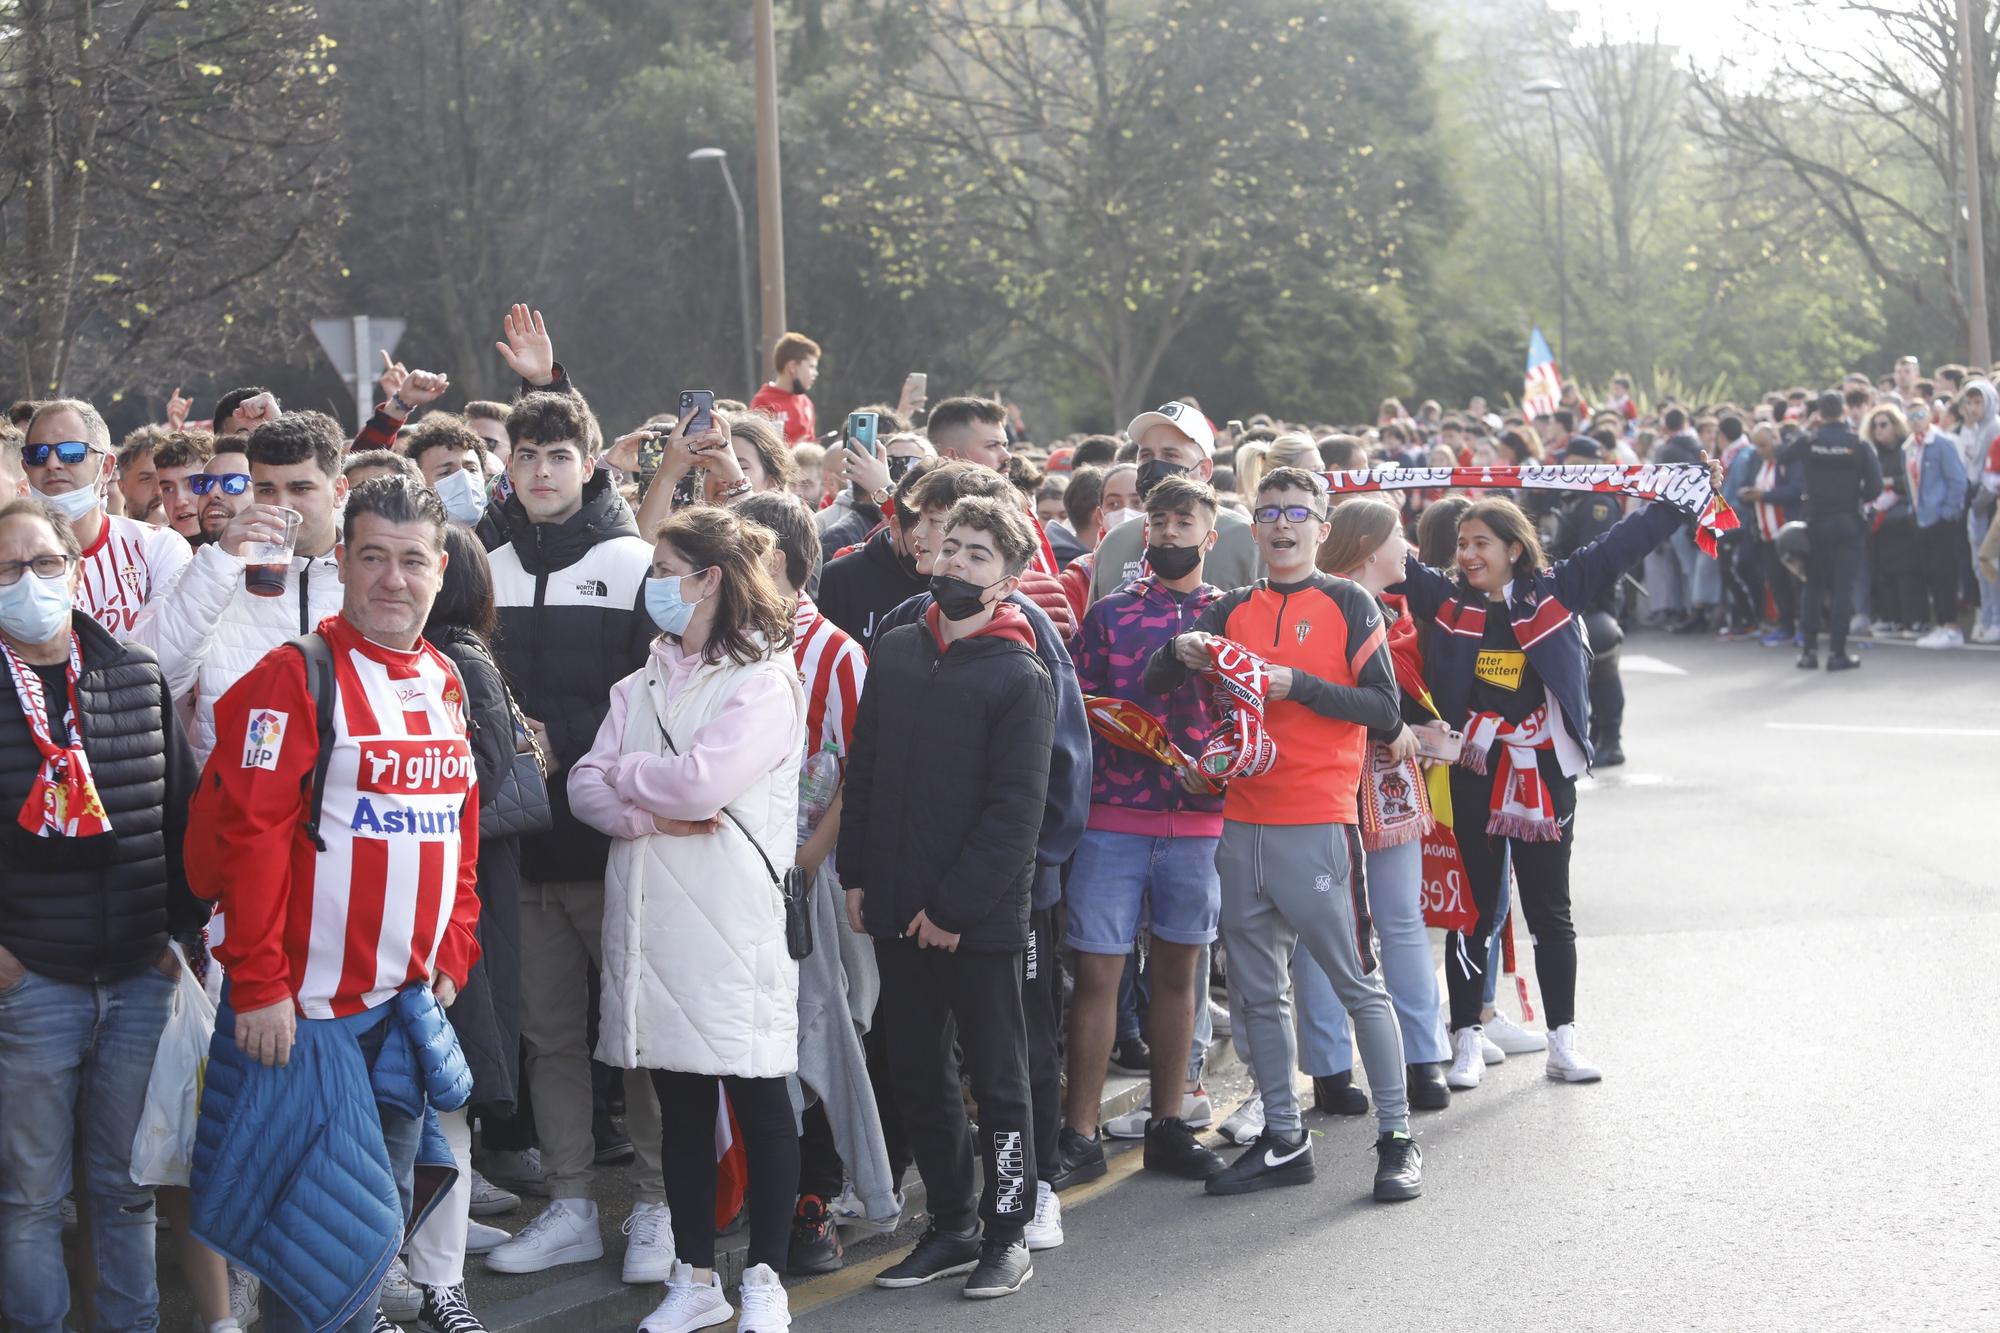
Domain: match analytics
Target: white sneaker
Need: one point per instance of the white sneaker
(401, 1301)
(1944, 636)
(1511, 1037)
(688, 1307)
(1245, 1125)
(1468, 1060)
(1490, 1050)
(520, 1171)
(1986, 634)
(1566, 1063)
(1045, 1231)
(489, 1199)
(649, 1254)
(1859, 624)
(1200, 1114)
(482, 1239)
(849, 1212)
(565, 1232)
(766, 1307)
(244, 1289)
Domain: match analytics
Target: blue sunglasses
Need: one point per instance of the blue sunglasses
(232, 483)
(71, 452)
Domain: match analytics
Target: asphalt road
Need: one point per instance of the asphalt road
(1787, 908)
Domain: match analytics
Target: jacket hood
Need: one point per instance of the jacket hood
(1989, 418)
(544, 547)
(1007, 625)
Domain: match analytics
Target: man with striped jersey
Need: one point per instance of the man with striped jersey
(127, 564)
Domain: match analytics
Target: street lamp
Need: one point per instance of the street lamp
(1546, 89)
(721, 158)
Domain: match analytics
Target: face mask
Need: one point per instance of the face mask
(899, 465)
(664, 603)
(958, 599)
(462, 495)
(1114, 517)
(1173, 562)
(1154, 471)
(72, 504)
(798, 385)
(33, 609)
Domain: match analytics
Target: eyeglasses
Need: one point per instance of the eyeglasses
(232, 483)
(45, 567)
(71, 452)
(1290, 513)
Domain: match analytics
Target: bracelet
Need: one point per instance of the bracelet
(735, 489)
(396, 400)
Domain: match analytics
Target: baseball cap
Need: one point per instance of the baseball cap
(1187, 420)
(1582, 446)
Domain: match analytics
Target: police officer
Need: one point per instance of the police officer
(1580, 520)
(1842, 472)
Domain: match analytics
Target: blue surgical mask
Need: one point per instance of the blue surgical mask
(463, 496)
(34, 609)
(668, 608)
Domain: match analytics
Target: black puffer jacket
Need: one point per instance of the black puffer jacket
(946, 783)
(858, 591)
(100, 909)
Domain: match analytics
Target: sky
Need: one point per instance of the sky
(1709, 30)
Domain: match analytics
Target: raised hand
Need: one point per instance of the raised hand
(177, 410)
(391, 379)
(421, 387)
(528, 350)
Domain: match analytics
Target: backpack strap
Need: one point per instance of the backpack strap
(320, 685)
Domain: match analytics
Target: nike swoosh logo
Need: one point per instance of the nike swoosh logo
(1271, 1157)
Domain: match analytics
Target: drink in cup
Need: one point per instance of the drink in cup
(266, 562)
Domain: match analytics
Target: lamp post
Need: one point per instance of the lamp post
(721, 159)
(1546, 89)
(1975, 197)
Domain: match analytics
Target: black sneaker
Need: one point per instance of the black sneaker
(1004, 1267)
(1077, 1159)
(1427, 1087)
(1808, 660)
(938, 1254)
(816, 1244)
(1399, 1168)
(613, 1146)
(1172, 1147)
(1132, 1056)
(384, 1324)
(1271, 1161)
(1842, 662)
(1338, 1095)
(445, 1311)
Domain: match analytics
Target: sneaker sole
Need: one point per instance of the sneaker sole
(1432, 1099)
(570, 1254)
(644, 1276)
(615, 1156)
(710, 1320)
(831, 1263)
(1578, 1076)
(1386, 1192)
(1460, 1083)
(992, 1293)
(1197, 1174)
(1296, 1173)
(1036, 1244)
(1081, 1176)
(905, 1283)
(493, 1207)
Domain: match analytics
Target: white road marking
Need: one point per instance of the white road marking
(1970, 733)
(1643, 665)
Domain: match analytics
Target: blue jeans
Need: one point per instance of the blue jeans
(75, 1059)
(1496, 954)
(1395, 901)
(1976, 525)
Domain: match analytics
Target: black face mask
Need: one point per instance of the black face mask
(1173, 562)
(957, 598)
(1156, 470)
(899, 466)
(798, 385)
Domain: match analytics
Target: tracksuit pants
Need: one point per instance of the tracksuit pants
(1287, 886)
(930, 997)
(1041, 1004)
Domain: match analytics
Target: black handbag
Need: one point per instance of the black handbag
(519, 802)
(793, 886)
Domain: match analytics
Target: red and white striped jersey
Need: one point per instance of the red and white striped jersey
(126, 570)
(831, 667)
(392, 898)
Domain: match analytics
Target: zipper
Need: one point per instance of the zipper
(541, 594)
(1277, 631)
(1257, 857)
(305, 581)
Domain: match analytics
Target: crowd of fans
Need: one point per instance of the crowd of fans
(520, 801)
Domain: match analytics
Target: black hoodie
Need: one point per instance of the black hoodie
(573, 622)
(859, 590)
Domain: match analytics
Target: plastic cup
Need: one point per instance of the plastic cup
(265, 563)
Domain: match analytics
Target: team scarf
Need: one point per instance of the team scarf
(1685, 486)
(62, 801)
(1238, 680)
(1395, 806)
(1130, 727)
(1522, 807)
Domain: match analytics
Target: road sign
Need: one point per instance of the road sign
(355, 346)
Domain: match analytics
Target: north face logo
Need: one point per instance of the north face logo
(592, 588)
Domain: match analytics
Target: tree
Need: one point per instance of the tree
(169, 180)
(1109, 174)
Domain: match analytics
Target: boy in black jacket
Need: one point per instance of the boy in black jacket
(944, 797)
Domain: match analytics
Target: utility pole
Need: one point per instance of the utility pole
(770, 204)
(1546, 89)
(1975, 195)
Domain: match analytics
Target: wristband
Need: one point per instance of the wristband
(405, 409)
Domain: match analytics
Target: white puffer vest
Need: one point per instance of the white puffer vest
(696, 974)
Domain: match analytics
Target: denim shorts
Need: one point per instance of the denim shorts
(1118, 878)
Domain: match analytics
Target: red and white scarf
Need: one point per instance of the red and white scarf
(1522, 807)
(1770, 519)
(1238, 681)
(1685, 486)
(62, 801)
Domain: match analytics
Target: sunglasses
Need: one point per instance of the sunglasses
(232, 483)
(1291, 513)
(71, 452)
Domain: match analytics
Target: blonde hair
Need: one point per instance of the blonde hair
(1359, 527)
(1257, 461)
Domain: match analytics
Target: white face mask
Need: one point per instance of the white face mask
(463, 496)
(1114, 517)
(72, 504)
(33, 609)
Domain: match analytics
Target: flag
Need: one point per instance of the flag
(1541, 392)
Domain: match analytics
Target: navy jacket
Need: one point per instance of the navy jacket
(1067, 807)
(1544, 615)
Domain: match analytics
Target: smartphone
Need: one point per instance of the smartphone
(1435, 744)
(861, 432)
(651, 450)
(697, 411)
(688, 489)
(914, 384)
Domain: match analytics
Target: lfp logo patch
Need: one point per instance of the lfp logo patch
(264, 738)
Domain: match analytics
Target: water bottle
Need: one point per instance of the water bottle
(819, 779)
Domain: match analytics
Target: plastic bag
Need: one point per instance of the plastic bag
(163, 1145)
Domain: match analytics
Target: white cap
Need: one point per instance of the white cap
(1187, 420)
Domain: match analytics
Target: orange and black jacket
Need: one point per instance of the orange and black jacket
(1330, 632)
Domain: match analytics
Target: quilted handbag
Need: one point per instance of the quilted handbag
(519, 803)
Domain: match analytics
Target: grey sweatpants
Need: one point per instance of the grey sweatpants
(1286, 885)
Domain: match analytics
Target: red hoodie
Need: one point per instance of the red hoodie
(1007, 623)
